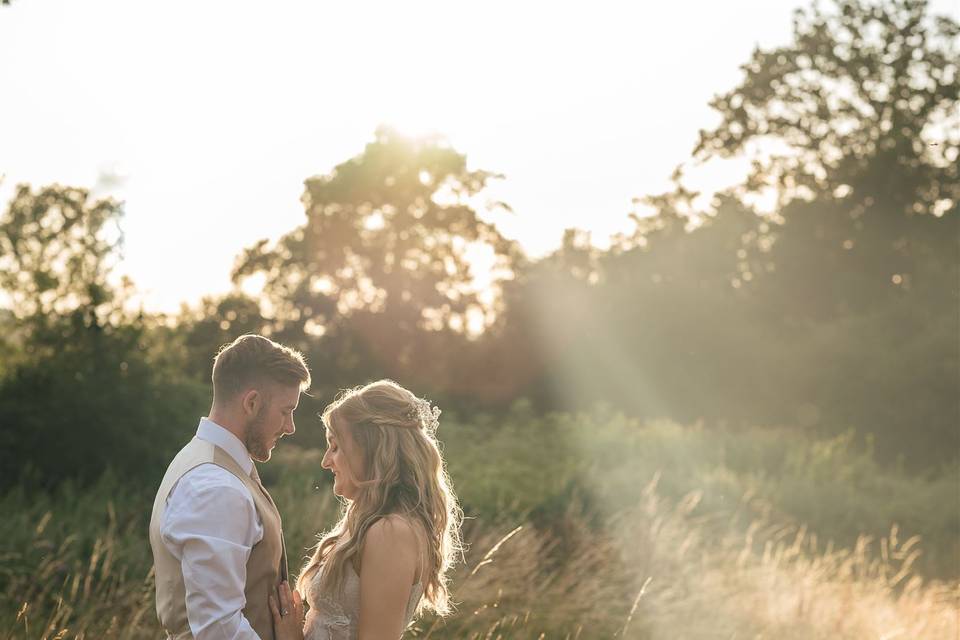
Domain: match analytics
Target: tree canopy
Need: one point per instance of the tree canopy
(57, 248)
(837, 310)
(383, 255)
(861, 105)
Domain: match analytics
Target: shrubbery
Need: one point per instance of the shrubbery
(589, 490)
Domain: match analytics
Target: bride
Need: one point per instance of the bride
(386, 560)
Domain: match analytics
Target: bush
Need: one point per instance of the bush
(92, 403)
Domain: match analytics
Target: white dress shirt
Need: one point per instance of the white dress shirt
(210, 525)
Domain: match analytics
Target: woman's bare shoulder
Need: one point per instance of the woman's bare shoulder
(399, 534)
(394, 529)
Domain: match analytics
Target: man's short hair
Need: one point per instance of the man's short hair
(251, 360)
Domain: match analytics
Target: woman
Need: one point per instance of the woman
(386, 560)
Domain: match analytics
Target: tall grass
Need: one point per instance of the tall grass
(655, 572)
(74, 565)
(579, 527)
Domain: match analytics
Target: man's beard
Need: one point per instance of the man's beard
(256, 439)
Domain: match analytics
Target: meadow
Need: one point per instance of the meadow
(578, 526)
(817, 291)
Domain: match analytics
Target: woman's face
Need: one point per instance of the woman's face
(343, 459)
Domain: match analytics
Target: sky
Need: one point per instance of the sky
(206, 117)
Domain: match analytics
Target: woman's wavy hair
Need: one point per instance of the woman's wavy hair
(396, 434)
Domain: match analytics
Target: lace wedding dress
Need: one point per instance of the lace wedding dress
(337, 619)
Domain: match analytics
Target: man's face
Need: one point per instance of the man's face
(273, 420)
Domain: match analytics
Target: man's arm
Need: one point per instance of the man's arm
(211, 525)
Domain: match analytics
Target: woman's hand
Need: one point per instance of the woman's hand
(287, 614)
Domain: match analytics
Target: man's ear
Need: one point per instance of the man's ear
(251, 402)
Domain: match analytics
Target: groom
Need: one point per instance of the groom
(215, 532)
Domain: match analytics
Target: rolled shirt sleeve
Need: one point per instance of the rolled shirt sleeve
(210, 526)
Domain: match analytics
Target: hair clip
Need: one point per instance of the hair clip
(428, 416)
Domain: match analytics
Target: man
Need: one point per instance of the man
(215, 532)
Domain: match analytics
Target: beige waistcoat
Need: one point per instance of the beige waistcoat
(267, 564)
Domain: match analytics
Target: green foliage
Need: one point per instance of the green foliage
(862, 100)
(385, 231)
(76, 558)
(377, 280)
(522, 467)
(831, 322)
(78, 393)
(56, 249)
(94, 403)
(856, 124)
(654, 499)
(837, 310)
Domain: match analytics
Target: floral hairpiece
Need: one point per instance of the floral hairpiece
(428, 416)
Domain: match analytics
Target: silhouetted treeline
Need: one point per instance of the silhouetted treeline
(837, 311)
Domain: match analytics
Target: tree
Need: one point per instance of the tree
(855, 127)
(78, 393)
(838, 310)
(861, 105)
(96, 402)
(382, 260)
(56, 251)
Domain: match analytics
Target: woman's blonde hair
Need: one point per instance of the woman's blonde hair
(395, 434)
